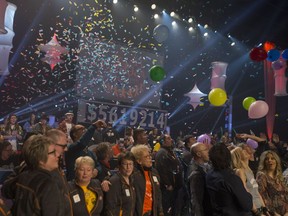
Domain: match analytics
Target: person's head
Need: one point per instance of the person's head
(84, 167)
(69, 117)
(270, 162)
(59, 138)
(199, 152)
(32, 117)
(76, 132)
(126, 163)
(142, 155)
(12, 119)
(263, 135)
(167, 141)
(238, 158)
(128, 141)
(44, 119)
(140, 136)
(220, 157)
(129, 131)
(5, 150)
(103, 151)
(189, 140)
(39, 152)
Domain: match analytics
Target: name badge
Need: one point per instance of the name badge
(127, 192)
(155, 179)
(76, 198)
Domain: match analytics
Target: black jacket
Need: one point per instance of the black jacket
(140, 187)
(37, 193)
(228, 195)
(121, 197)
(78, 198)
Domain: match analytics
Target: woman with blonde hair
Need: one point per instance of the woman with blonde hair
(271, 183)
(85, 192)
(240, 161)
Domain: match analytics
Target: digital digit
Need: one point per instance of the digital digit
(123, 117)
(151, 122)
(102, 112)
(161, 120)
(143, 117)
(113, 117)
(133, 117)
(91, 112)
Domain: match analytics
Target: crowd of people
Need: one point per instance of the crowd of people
(78, 170)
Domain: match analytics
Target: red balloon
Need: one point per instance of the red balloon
(268, 46)
(258, 54)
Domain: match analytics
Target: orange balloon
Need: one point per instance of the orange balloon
(268, 46)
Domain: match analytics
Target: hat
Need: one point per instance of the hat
(69, 113)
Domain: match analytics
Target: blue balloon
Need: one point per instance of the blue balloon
(285, 54)
(273, 55)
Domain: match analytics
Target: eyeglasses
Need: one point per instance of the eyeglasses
(52, 152)
(127, 164)
(62, 146)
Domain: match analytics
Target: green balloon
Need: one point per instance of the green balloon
(157, 73)
(247, 102)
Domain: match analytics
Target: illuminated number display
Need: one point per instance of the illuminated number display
(123, 115)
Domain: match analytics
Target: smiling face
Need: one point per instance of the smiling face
(126, 167)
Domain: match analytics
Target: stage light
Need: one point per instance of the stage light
(233, 44)
(191, 29)
(206, 26)
(136, 8)
(172, 14)
(115, 1)
(174, 23)
(205, 34)
(153, 6)
(190, 20)
(156, 16)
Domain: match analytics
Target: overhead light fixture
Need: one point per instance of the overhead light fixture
(174, 23)
(206, 26)
(233, 44)
(136, 8)
(205, 34)
(153, 6)
(156, 16)
(190, 20)
(115, 1)
(191, 29)
(172, 14)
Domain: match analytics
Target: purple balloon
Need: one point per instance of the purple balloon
(204, 138)
(252, 143)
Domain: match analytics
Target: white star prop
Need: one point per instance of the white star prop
(195, 96)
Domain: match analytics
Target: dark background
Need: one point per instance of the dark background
(31, 86)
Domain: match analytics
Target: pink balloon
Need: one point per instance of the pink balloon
(204, 138)
(252, 143)
(258, 109)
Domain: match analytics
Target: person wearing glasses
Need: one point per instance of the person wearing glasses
(85, 193)
(147, 183)
(37, 192)
(81, 138)
(121, 197)
(60, 140)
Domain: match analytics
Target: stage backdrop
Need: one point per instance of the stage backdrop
(115, 72)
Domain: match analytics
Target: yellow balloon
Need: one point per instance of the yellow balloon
(217, 97)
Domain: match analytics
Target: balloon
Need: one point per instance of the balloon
(252, 143)
(217, 97)
(258, 54)
(247, 102)
(277, 65)
(161, 33)
(285, 54)
(157, 73)
(273, 55)
(268, 46)
(204, 138)
(258, 109)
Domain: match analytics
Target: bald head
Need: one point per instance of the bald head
(200, 152)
